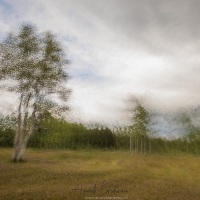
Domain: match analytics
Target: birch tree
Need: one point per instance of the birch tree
(139, 125)
(33, 65)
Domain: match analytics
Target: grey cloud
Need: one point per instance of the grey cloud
(162, 26)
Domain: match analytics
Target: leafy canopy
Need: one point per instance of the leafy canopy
(34, 63)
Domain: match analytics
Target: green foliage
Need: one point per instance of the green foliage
(140, 119)
(188, 144)
(34, 61)
(122, 141)
(54, 133)
(7, 132)
(57, 133)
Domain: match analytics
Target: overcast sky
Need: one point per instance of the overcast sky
(117, 48)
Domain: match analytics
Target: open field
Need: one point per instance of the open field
(60, 174)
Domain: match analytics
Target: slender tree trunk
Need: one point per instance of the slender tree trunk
(144, 147)
(18, 134)
(196, 151)
(23, 133)
(132, 144)
(19, 150)
(135, 145)
(149, 146)
(187, 147)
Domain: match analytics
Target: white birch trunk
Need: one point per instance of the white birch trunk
(135, 145)
(144, 152)
(23, 132)
(149, 146)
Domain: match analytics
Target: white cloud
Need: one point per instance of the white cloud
(118, 48)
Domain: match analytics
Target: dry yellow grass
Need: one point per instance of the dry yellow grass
(60, 174)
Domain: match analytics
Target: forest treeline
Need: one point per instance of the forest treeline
(53, 133)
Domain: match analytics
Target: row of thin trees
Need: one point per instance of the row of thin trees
(53, 133)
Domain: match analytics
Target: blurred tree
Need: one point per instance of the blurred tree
(191, 136)
(138, 130)
(7, 124)
(33, 66)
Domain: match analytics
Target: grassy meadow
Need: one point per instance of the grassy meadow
(63, 174)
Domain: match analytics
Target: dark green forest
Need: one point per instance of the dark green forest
(53, 133)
